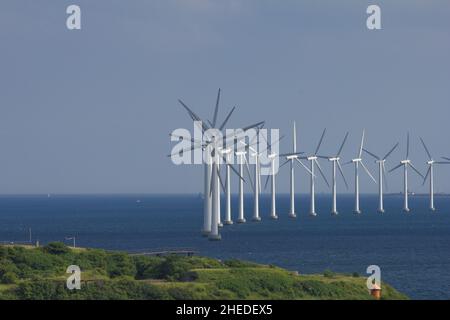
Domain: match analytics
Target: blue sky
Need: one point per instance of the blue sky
(90, 111)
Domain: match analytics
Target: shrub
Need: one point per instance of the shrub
(173, 268)
(328, 274)
(120, 264)
(9, 278)
(56, 248)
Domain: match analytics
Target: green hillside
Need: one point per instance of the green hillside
(39, 273)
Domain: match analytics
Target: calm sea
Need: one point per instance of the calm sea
(412, 250)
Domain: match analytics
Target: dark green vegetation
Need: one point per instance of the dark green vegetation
(39, 273)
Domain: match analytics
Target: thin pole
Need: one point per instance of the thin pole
(273, 214)
(380, 187)
(241, 218)
(357, 210)
(405, 188)
(292, 192)
(334, 205)
(313, 202)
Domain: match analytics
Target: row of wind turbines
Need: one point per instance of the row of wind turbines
(212, 144)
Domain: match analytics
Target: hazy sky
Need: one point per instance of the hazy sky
(89, 111)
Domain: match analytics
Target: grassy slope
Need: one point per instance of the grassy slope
(39, 273)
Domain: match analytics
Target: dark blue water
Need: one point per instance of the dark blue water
(413, 250)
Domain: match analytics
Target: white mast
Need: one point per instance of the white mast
(241, 155)
(273, 210)
(207, 200)
(228, 220)
(256, 190)
(214, 234)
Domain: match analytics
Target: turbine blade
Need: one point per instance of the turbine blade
(321, 172)
(342, 173)
(248, 173)
(368, 172)
(371, 154)
(320, 141)
(446, 158)
(283, 164)
(396, 167)
(342, 145)
(231, 167)
(383, 172)
(305, 167)
(253, 126)
(407, 146)
(323, 157)
(426, 149)
(226, 119)
(267, 181)
(220, 179)
(216, 110)
(362, 144)
(347, 163)
(269, 148)
(294, 141)
(417, 171)
(392, 150)
(442, 162)
(426, 176)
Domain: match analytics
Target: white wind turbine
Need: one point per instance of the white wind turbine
(406, 163)
(382, 180)
(430, 173)
(291, 157)
(313, 162)
(336, 166)
(211, 206)
(357, 161)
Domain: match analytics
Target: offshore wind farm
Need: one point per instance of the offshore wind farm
(325, 148)
(239, 144)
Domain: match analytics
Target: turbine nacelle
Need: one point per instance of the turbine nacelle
(334, 159)
(430, 162)
(356, 160)
(292, 157)
(405, 161)
(312, 158)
